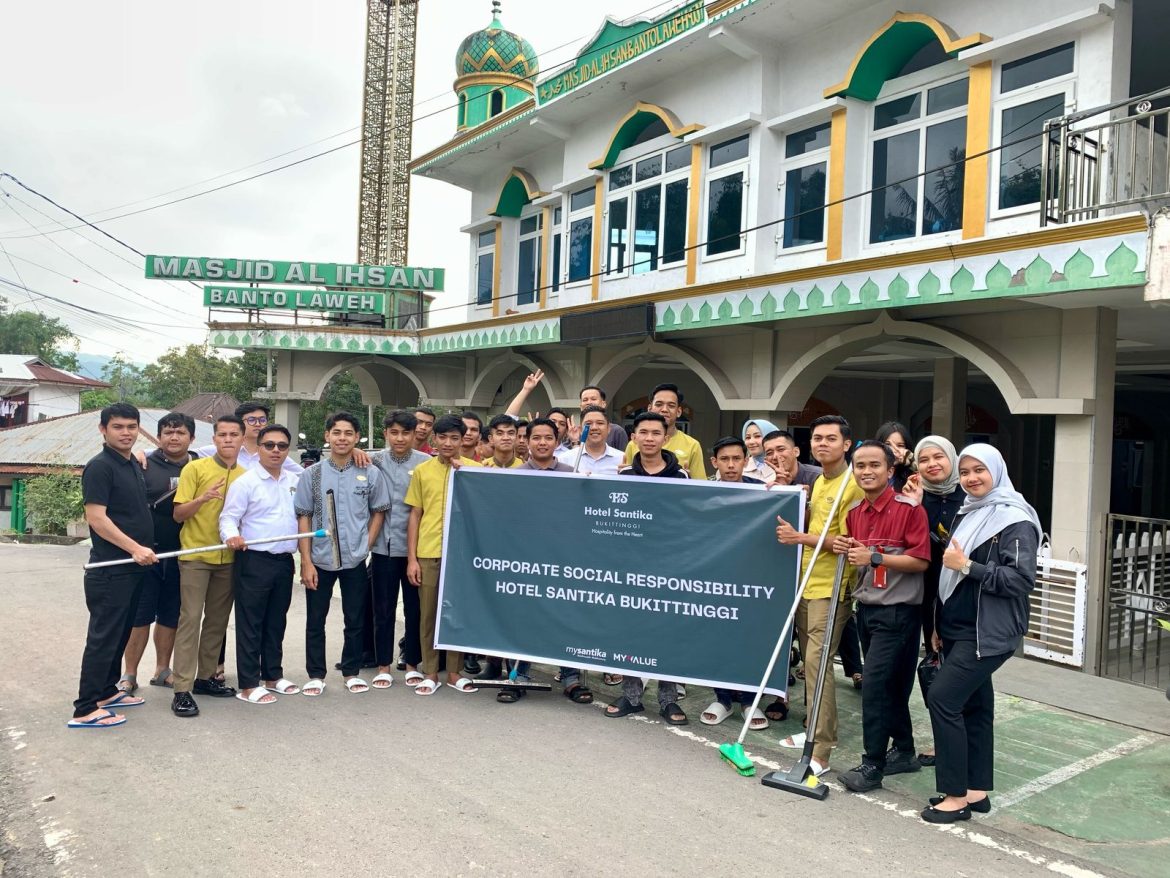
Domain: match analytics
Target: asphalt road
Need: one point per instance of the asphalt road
(387, 783)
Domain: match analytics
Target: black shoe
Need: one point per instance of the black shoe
(934, 815)
(983, 806)
(926, 759)
(184, 705)
(901, 762)
(401, 663)
(402, 642)
(214, 688)
(862, 779)
(470, 666)
(493, 670)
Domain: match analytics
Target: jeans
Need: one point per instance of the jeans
(632, 688)
(112, 600)
(889, 635)
(354, 594)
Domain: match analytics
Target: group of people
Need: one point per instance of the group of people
(939, 546)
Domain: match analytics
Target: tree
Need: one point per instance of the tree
(181, 373)
(54, 501)
(127, 384)
(26, 332)
(342, 394)
(249, 372)
(92, 400)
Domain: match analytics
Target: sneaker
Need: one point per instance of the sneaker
(862, 779)
(184, 705)
(901, 762)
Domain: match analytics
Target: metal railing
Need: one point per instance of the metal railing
(1100, 160)
(1134, 645)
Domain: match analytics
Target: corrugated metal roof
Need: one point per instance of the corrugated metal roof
(25, 369)
(208, 406)
(72, 440)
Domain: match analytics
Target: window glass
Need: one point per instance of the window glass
(619, 223)
(655, 129)
(620, 177)
(808, 140)
(729, 151)
(528, 225)
(486, 239)
(647, 204)
(946, 97)
(897, 111)
(1019, 160)
(724, 214)
(526, 272)
(580, 248)
(581, 199)
(894, 209)
(648, 168)
(677, 158)
(485, 276)
(804, 205)
(1036, 68)
(558, 213)
(928, 56)
(942, 199)
(556, 262)
(497, 103)
(674, 225)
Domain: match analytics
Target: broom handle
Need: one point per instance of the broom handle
(581, 447)
(216, 548)
(747, 719)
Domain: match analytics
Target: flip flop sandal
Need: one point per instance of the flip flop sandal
(284, 687)
(624, 708)
(612, 679)
(670, 711)
(160, 679)
(132, 680)
(509, 696)
(578, 694)
(758, 722)
(313, 688)
(413, 678)
(794, 742)
(777, 711)
(257, 696)
(719, 711)
(357, 685)
(124, 699)
(427, 688)
(96, 722)
(464, 685)
(383, 678)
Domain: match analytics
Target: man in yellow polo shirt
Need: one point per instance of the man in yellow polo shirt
(502, 436)
(666, 400)
(830, 441)
(427, 498)
(205, 578)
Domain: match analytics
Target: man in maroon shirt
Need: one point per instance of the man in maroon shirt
(889, 539)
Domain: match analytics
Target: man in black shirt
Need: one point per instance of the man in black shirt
(113, 490)
(159, 601)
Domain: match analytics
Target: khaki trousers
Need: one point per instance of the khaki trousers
(428, 597)
(205, 603)
(812, 618)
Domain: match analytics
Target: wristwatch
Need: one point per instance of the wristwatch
(966, 568)
(875, 559)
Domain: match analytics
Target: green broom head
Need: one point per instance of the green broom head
(734, 754)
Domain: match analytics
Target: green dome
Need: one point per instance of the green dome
(495, 50)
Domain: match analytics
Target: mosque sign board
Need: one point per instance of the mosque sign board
(328, 274)
(363, 302)
(617, 44)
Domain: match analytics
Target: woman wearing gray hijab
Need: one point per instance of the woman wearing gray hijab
(989, 569)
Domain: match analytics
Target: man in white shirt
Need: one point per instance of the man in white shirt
(255, 416)
(260, 506)
(597, 456)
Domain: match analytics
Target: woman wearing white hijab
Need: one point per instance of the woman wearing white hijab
(988, 571)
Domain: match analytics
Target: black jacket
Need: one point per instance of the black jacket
(995, 594)
(673, 469)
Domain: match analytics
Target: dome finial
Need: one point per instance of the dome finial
(496, 14)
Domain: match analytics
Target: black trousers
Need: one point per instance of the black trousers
(263, 595)
(388, 580)
(889, 636)
(111, 595)
(962, 714)
(355, 594)
(850, 647)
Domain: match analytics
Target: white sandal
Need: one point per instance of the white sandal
(285, 687)
(427, 687)
(357, 685)
(382, 678)
(464, 685)
(758, 722)
(717, 710)
(413, 678)
(257, 696)
(313, 688)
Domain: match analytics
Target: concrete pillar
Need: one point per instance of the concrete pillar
(288, 412)
(949, 410)
(1083, 453)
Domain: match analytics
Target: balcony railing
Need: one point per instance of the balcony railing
(1108, 158)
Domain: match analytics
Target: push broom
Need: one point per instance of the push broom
(733, 752)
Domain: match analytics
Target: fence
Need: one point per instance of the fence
(1134, 645)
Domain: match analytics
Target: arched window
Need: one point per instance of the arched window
(462, 109)
(497, 103)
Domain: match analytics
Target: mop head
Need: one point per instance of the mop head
(733, 753)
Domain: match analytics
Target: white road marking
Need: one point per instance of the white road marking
(1067, 772)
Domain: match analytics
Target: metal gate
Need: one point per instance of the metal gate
(1135, 639)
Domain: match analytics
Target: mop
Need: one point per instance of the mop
(800, 778)
(733, 752)
(316, 534)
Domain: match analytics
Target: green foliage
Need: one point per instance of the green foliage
(342, 394)
(27, 332)
(126, 379)
(93, 400)
(181, 373)
(249, 372)
(53, 501)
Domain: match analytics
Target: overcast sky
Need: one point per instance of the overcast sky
(107, 105)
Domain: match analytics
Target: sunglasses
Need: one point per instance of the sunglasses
(255, 422)
(274, 446)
